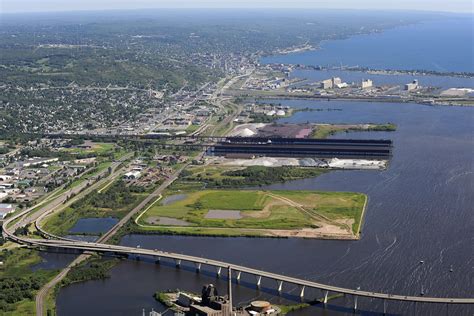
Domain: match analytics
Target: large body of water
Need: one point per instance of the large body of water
(443, 44)
(421, 208)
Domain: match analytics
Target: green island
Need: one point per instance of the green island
(94, 268)
(326, 130)
(308, 214)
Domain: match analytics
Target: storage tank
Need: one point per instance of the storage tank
(260, 306)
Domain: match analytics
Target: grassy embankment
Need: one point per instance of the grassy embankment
(324, 131)
(18, 283)
(259, 211)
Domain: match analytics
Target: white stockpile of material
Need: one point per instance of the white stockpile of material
(247, 133)
(357, 164)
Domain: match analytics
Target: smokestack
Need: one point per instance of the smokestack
(229, 290)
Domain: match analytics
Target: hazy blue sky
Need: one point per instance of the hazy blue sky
(68, 5)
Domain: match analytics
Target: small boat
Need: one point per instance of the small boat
(422, 291)
(451, 269)
(421, 262)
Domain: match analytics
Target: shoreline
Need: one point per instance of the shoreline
(362, 216)
(365, 99)
(169, 231)
(388, 72)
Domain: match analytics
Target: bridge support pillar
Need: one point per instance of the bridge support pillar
(355, 303)
(158, 260)
(177, 263)
(326, 297)
(198, 267)
(302, 292)
(218, 274)
(238, 276)
(259, 281)
(280, 286)
(385, 307)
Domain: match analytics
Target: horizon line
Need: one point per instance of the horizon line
(241, 8)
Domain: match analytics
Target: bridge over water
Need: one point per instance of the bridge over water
(179, 259)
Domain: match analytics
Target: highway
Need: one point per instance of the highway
(55, 205)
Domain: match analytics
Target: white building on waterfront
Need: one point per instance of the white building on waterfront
(366, 84)
(412, 86)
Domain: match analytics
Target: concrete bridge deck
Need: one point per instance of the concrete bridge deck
(198, 261)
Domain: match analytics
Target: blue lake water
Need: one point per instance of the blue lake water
(53, 261)
(444, 45)
(93, 225)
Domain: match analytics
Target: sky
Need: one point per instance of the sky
(10, 6)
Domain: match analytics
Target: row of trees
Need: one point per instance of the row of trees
(114, 197)
(255, 176)
(15, 289)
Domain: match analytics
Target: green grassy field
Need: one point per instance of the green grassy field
(96, 148)
(331, 205)
(259, 210)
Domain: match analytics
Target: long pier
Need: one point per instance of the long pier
(214, 139)
(271, 146)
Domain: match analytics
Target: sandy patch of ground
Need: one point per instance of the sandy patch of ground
(327, 231)
(456, 92)
(345, 221)
(223, 214)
